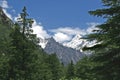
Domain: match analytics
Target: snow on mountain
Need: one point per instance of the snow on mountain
(67, 51)
(78, 43)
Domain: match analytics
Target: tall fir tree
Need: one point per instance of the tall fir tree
(70, 73)
(5, 29)
(107, 50)
(83, 69)
(22, 59)
(54, 66)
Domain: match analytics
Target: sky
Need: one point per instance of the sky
(61, 19)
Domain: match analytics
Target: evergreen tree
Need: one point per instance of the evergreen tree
(107, 49)
(43, 70)
(5, 29)
(4, 58)
(83, 69)
(54, 67)
(70, 74)
(22, 59)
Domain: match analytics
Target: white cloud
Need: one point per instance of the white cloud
(4, 4)
(64, 34)
(38, 29)
(61, 37)
(61, 34)
(68, 30)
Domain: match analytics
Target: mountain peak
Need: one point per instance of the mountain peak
(64, 54)
(77, 37)
(76, 43)
(51, 39)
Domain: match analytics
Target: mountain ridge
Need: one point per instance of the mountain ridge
(64, 54)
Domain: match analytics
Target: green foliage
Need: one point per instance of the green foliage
(75, 78)
(108, 50)
(3, 66)
(70, 73)
(21, 58)
(54, 66)
(4, 45)
(21, 55)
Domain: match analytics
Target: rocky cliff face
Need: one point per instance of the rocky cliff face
(64, 54)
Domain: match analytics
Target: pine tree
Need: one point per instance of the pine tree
(107, 50)
(54, 66)
(4, 58)
(83, 69)
(5, 29)
(70, 74)
(22, 59)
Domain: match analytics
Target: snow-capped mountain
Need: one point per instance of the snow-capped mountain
(68, 51)
(78, 43)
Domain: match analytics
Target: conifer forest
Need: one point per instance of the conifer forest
(22, 58)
